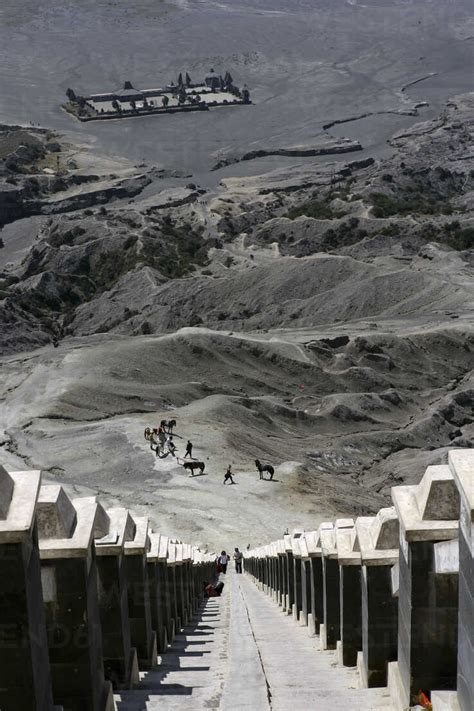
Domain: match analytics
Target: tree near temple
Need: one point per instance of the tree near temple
(71, 95)
(182, 95)
(188, 80)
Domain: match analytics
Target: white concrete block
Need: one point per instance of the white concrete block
(445, 701)
(363, 681)
(6, 492)
(134, 670)
(398, 697)
(311, 625)
(323, 643)
(48, 584)
(446, 557)
(395, 572)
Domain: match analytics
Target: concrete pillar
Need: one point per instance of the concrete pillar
(295, 580)
(428, 601)
(266, 573)
(330, 629)
(305, 590)
(188, 570)
(157, 607)
(378, 538)
(165, 588)
(461, 463)
(283, 579)
(69, 580)
(274, 561)
(25, 675)
(298, 603)
(313, 545)
(289, 575)
(197, 577)
(142, 635)
(172, 586)
(305, 580)
(350, 594)
(120, 658)
(180, 586)
(164, 591)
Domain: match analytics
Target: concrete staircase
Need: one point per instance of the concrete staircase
(243, 654)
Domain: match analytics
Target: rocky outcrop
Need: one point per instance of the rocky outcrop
(327, 146)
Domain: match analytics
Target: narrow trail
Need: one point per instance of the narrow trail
(241, 653)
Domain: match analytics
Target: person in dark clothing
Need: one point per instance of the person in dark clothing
(238, 556)
(222, 562)
(228, 476)
(189, 449)
(211, 590)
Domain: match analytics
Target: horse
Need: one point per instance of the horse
(191, 466)
(264, 468)
(168, 425)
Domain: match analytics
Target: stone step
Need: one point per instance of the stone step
(242, 654)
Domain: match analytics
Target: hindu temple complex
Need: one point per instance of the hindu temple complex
(182, 95)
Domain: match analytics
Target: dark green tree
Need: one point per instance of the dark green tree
(182, 95)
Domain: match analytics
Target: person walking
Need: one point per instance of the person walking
(189, 449)
(171, 446)
(228, 476)
(238, 556)
(223, 561)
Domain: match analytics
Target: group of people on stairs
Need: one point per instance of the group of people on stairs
(222, 561)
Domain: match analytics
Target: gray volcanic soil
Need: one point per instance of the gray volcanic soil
(314, 312)
(307, 63)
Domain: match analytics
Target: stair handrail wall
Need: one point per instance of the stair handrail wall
(391, 594)
(88, 597)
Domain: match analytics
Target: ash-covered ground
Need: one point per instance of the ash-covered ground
(288, 292)
(307, 63)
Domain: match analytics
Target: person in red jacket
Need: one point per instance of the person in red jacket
(211, 590)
